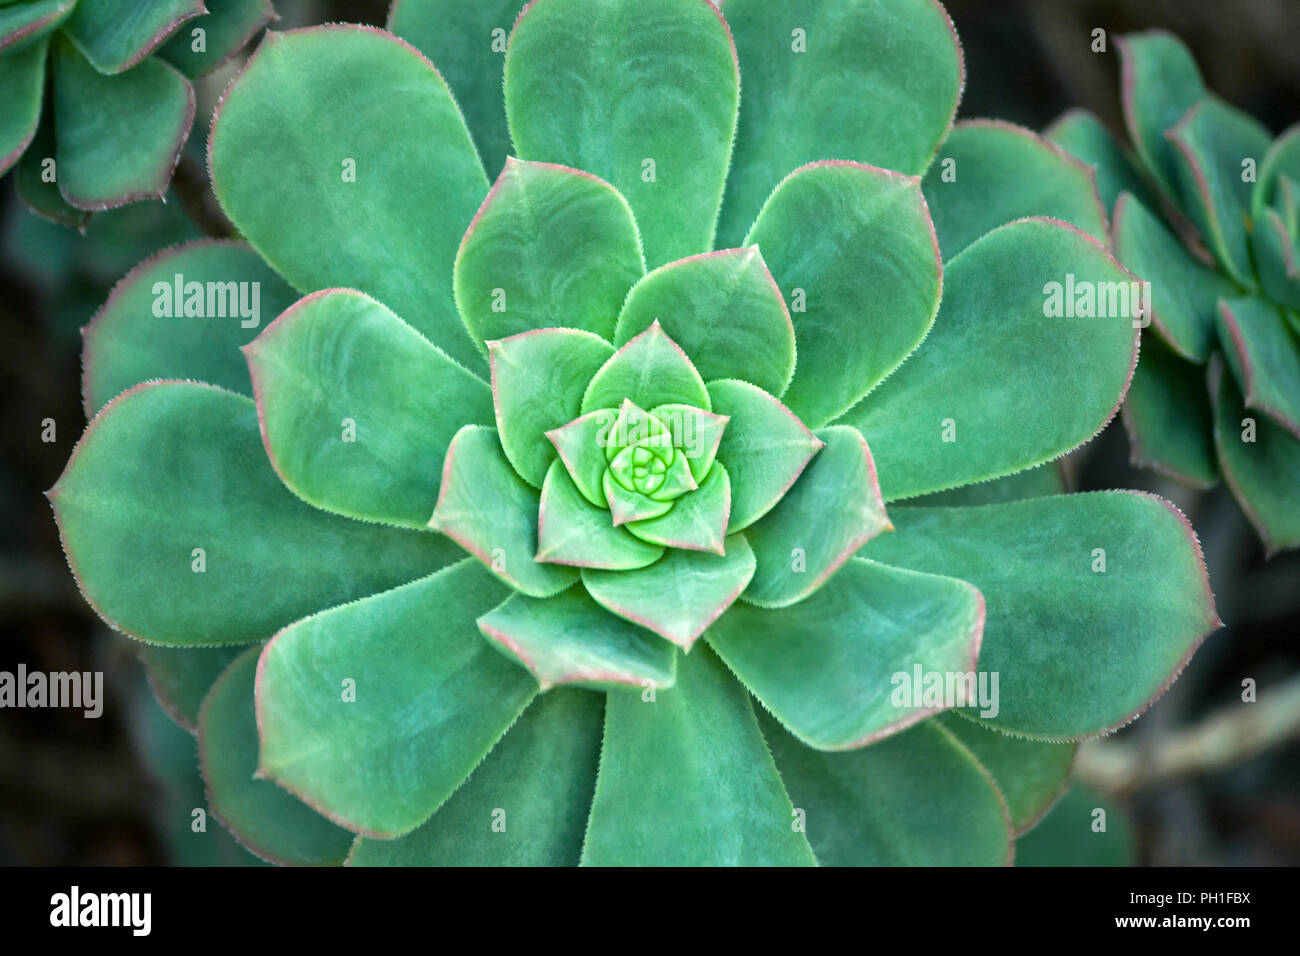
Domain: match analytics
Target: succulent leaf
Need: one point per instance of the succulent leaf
(265, 819)
(650, 369)
(1259, 459)
(581, 445)
(538, 379)
(1084, 136)
(486, 508)
(1091, 616)
(23, 24)
(1262, 354)
(417, 666)
(853, 79)
(635, 428)
(1059, 840)
(343, 427)
(825, 666)
(1211, 142)
(227, 27)
(1159, 81)
(1001, 172)
(550, 247)
(932, 802)
(1070, 372)
(539, 776)
(700, 434)
(119, 137)
(864, 294)
(833, 509)
(1031, 774)
(570, 639)
(626, 504)
(677, 478)
(764, 445)
(169, 468)
(679, 595)
(22, 86)
(1184, 292)
(459, 37)
(697, 521)
(1036, 482)
(651, 107)
(126, 343)
(115, 35)
(1276, 260)
(674, 767)
(42, 197)
(181, 677)
(1282, 161)
(360, 117)
(1288, 205)
(571, 531)
(726, 312)
(1168, 419)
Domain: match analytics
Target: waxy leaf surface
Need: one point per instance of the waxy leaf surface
(570, 530)
(845, 79)
(1000, 172)
(115, 35)
(725, 311)
(1260, 460)
(357, 408)
(128, 342)
(537, 781)
(1264, 355)
(466, 42)
(1167, 417)
(538, 379)
(341, 156)
(764, 446)
(1030, 773)
(863, 293)
(264, 818)
(827, 667)
(405, 691)
(679, 595)
(919, 798)
(119, 137)
(173, 467)
(686, 780)
(832, 510)
(1184, 292)
(1002, 384)
(490, 512)
(550, 247)
(650, 107)
(1095, 601)
(570, 639)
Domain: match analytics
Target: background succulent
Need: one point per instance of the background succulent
(98, 102)
(852, 318)
(1205, 210)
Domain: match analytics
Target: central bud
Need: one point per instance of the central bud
(644, 449)
(638, 469)
(647, 458)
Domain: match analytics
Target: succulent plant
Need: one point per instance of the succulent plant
(540, 487)
(108, 126)
(1205, 211)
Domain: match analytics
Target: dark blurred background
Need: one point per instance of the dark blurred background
(1202, 778)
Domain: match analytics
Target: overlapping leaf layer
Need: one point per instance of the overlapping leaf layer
(492, 544)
